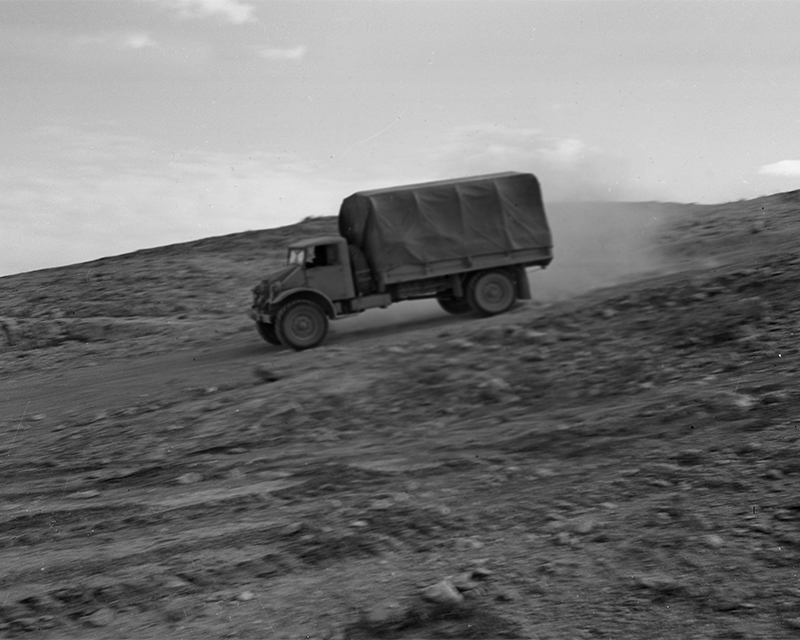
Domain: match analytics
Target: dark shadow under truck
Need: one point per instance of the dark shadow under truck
(465, 242)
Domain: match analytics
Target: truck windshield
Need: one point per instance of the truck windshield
(297, 256)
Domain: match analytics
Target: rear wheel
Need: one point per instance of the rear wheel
(456, 306)
(301, 324)
(267, 332)
(491, 292)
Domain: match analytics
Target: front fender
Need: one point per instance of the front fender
(303, 294)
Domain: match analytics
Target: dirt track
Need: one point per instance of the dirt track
(618, 465)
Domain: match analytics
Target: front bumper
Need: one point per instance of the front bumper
(255, 314)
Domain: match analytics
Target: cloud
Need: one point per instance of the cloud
(293, 54)
(568, 167)
(139, 41)
(784, 168)
(118, 40)
(103, 193)
(234, 11)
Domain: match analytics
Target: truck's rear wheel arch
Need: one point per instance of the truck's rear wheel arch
(492, 292)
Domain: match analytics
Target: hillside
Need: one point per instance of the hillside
(620, 463)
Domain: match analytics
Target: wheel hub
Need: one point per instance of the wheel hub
(303, 326)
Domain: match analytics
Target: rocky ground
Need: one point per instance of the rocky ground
(622, 464)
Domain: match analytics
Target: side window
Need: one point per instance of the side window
(333, 254)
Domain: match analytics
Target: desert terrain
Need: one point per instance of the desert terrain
(617, 458)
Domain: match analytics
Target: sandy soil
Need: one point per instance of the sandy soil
(613, 463)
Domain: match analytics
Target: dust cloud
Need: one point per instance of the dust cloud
(596, 244)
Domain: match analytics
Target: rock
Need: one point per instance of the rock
(505, 595)
(743, 401)
(245, 596)
(464, 581)
(174, 582)
(534, 336)
(660, 482)
(460, 343)
(658, 582)
(563, 538)
(100, 618)
(662, 517)
(761, 527)
(714, 541)
(444, 593)
(792, 623)
(774, 474)
(292, 529)
(584, 526)
(381, 504)
(774, 397)
(190, 478)
(36, 417)
(468, 544)
(495, 385)
(9, 331)
(265, 374)
(83, 495)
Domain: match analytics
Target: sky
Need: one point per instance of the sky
(129, 124)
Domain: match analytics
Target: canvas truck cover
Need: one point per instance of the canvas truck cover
(421, 224)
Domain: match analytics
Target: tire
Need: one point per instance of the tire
(456, 306)
(267, 332)
(491, 292)
(301, 324)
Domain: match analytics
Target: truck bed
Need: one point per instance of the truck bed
(439, 228)
(525, 257)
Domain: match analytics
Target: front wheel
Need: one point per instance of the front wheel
(301, 324)
(491, 292)
(267, 332)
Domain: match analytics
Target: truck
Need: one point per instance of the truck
(466, 242)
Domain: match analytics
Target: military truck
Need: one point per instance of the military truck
(464, 242)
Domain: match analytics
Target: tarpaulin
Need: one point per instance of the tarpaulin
(421, 224)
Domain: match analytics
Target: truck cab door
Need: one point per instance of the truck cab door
(329, 271)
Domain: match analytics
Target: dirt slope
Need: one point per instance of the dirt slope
(622, 464)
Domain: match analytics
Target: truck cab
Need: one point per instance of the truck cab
(326, 266)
